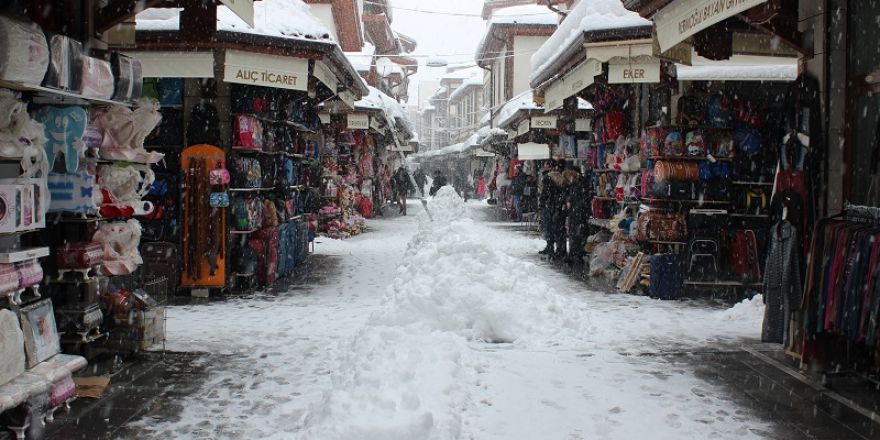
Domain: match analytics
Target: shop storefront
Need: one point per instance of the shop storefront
(185, 160)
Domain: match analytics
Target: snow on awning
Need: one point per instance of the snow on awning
(290, 19)
(722, 72)
(532, 151)
(508, 111)
(587, 16)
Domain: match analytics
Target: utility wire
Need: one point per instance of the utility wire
(455, 14)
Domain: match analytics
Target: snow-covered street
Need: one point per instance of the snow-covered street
(449, 329)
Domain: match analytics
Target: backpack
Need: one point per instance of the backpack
(718, 111)
(703, 256)
(691, 110)
(748, 140)
(204, 125)
(696, 146)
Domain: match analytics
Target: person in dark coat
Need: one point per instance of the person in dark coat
(402, 186)
(421, 179)
(544, 206)
(555, 189)
(579, 206)
(439, 182)
(517, 188)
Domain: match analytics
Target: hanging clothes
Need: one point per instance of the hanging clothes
(842, 294)
(782, 283)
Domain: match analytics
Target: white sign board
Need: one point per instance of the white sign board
(522, 128)
(358, 121)
(547, 122)
(583, 124)
(326, 76)
(347, 98)
(175, 64)
(634, 72)
(479, 152)
(578, 79)
(244, 9)
(325, 118)
(266, 70)
(511, 134)
(684, 18)
(532, 151)
(375, 124)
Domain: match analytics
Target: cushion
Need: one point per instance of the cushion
(12, 357)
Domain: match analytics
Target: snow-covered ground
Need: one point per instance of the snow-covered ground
(445, 330)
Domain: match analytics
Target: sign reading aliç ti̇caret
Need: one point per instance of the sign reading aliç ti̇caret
(266, 70)
(684, 18)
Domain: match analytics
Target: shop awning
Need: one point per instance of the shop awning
(175, 64)
(578, 79)
(737, 73)
(532, 151)
(683, 18)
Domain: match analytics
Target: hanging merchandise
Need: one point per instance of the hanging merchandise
(125, 131)
(203, 241)
(24, 51)
(120, 242)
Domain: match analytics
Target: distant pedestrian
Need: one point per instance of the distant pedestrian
(481, 187)
(517, 188)
(421, 180)
(402, 186)
(439, 182)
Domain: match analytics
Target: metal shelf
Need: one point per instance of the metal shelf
(46, 95)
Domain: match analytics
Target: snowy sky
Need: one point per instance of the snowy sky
(455, 37)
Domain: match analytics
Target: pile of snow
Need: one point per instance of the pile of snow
(274, 18)
(587, 16)
(749, 312)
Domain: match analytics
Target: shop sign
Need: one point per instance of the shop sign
(511, 134)
(375, 124)
(266, 70)
(578, 79)
(326, 76)
(681, 53)
(244, 9)
(479, 152)
(634, 72)
(347, 98)
(522, 128)
(358, 121)
(546, 122)
(325, 118)
(532, 151)
(684, 18)
(583, 124)
(175, 64)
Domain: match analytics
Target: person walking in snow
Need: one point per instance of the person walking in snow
(578, 204)
(402, 186)
(421, 180)
(439, 182)
(517, 188)
(555, 193)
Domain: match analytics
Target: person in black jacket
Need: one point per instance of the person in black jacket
(578, 203)
(517, 188)
(402, 186)
(553, 198)
(439, 182)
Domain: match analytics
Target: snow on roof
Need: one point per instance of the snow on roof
(523, 15)
(377, 100)
(467, 84)
(526, 14)
(781, 72)
(523, 101)
(362, 62)
(470, 72)
(587, 16)
(274, 18)
(386, 67)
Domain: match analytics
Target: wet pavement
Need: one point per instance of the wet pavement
(758, 378)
